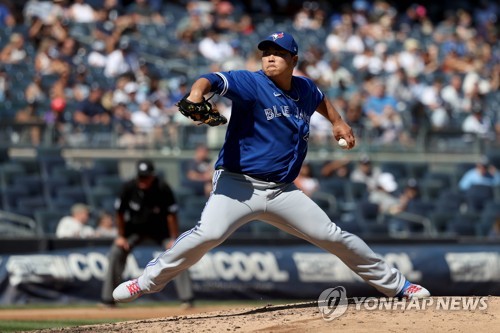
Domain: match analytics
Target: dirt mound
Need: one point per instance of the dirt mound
(305, 317)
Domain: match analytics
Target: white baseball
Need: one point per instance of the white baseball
(342, 143)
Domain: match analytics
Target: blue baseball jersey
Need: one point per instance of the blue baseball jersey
(269, 128)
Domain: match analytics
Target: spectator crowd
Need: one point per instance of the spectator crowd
(120, 66)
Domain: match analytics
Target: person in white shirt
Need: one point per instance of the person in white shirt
(81, 12)
(214, 48)
(121, 60)
(75, 225)
(453, 94)
(478, 123)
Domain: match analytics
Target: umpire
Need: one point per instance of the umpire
(146, 210)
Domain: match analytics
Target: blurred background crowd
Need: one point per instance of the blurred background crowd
(409, 76)
(110, 72)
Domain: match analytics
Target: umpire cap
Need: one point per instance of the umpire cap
(283, 40)
(145, 168)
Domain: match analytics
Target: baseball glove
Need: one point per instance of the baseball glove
(202, 112)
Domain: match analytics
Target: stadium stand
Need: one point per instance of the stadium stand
(36, 176)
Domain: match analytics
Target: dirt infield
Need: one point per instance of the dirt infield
(298, 317)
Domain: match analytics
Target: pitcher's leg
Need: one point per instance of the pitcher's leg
(303, 218)
(220, 218)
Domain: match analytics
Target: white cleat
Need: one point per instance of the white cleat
(127, 291)
(412, 290)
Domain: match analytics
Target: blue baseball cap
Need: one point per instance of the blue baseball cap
(282, 39)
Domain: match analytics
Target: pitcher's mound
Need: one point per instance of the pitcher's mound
(306, 317)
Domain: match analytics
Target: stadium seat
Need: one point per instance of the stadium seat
(75, 194)
(33, 183)
(10, 196)
(29, 165)
(370, 219)
(417, 170)
(10, 171)
(106, 166)
(30, 204)
(263, 229)
(100, 197)
(477, 196)
(397, 169)
(4, 154)
(326, 202)
(359, 191)
(113, 182)
(47, 220)
(431, 188)
(338, 187)
(464, 224)
(441, 219)
(49, 163)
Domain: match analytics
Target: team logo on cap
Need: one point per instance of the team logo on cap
(277, 36)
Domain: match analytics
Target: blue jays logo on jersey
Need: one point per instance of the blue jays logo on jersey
(277, 35)
(276, 111)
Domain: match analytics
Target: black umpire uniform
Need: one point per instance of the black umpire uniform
(145, 210)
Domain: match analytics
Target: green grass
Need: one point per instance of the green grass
(31, 325)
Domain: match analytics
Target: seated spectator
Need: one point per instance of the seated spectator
(410, 59)
(495, 230)
(214, 47)
(79, 85)
(337, 77)
(91, 111)
(34, 91)
(409, 194)
(124, 127)
(47, 60)
(199, 171)
(366, 172)
(81, 12)
(368, 62)
(145, 124)
(6, 17)
(398, 86)
(224, 20)
(384, 194)
(75, 225)
(484, 173)
(403, 210)
(431, 98)
(106, 227)
(41, 30)
(306, 181)
(4, 84)
(381, 111)
(131, 89)
(13, 52)
(31, 132)
(122, 60)
(142, 13)
(190, 29)
(354, 116)
(67, 52)
(478, 123)
(97, 57)
(55, 120)
(339, 168)
(453, 95)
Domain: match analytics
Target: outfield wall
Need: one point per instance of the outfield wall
(294, 271)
